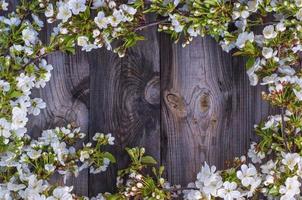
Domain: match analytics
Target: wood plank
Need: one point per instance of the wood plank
(208, 108)
(67, 98)
(125, 97)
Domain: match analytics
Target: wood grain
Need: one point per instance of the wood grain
(208, 108)
(67, 98)
(125, 97)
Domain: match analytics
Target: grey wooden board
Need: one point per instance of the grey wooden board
(208, 108)
(66, 98)
(184, 105)
(125, 100)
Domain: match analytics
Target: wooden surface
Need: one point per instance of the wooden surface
(185, 105)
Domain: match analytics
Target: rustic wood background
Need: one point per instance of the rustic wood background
(184, 105)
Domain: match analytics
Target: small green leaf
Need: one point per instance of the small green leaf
(148, 160)
(250, 62)
(110, 157)
(274, 191)
(113, 197)
(161, 170)
(15, 94)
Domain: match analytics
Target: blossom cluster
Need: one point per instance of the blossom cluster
(133, 182)
(105, 21)
(278, 177)
(25, 172)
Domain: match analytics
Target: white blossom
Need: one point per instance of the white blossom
(4, 5)
(37, 20)
(101, 21)
(4, 86)
(229, 191)
(64, 12)
(280, 27)
(208, 180)
(243, 38)
(98, 3)
(83, 41)
(49, 12)
(77, 6)
(299, 15)
(291, 160)
(253, 5)
(247, 174)
(25, 83)
(298, 3)
(19, 118)
(269, 32)
(110, 139)
(12, 21)
(34, 154)
(29, 36)
(36, 105)
(49, 167)
(291, 188)
(267, 52)
(5, 128)
(255, 155)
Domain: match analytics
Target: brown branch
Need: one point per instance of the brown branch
(283, 128)
(38, 58)
(150, 24)
(264, 24)
(181, 189)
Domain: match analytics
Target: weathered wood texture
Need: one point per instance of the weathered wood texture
(208, 108)
(125, 93)
(185, 105)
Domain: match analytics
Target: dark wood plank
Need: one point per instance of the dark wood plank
(67, 98)
(125, 97)
(208, 108)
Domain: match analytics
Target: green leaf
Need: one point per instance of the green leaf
(250, 62)
(210, 2)
(15, 94)
(238, 53)
(274, 191)
(113, 197)
(161, 170)
(110, 157)
(148, 160)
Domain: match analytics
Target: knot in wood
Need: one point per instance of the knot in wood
(152, 91)
(205, 102)
(177, 103)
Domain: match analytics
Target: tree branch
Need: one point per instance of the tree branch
(150, 24)
(181, 189)
(38, 58)
(283, 127)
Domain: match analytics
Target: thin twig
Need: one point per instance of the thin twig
(150, 24)
(283, 128)
(38, 58)
(264, 24)
(181, 189)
